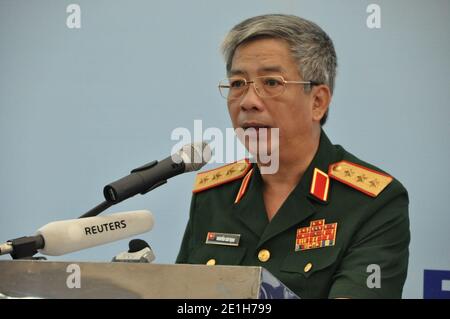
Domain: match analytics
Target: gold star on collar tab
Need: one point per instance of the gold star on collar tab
(221, 175)
(364, 179)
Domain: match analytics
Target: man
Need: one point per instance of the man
(327, 224)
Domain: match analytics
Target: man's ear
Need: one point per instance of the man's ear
(321, 100)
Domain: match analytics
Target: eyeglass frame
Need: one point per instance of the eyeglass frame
(248, 82)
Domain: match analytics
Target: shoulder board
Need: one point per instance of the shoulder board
(364, 179)
(221, 175)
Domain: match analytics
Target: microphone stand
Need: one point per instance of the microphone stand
(27, 247)
(24, 247)
(97, 209)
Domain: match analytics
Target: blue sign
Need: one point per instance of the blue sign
(436, 284)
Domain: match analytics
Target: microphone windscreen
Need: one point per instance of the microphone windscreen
(195, 155)
(62, 237)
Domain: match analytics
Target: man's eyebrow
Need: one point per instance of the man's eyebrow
(266, 69)
(274, 68)
(236, 72)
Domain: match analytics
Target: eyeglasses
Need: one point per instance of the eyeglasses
(265, 86)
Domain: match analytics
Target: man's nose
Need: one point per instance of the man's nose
(250, 100)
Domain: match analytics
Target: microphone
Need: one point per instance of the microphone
(66, 236)
(139, 252)
(190, 157)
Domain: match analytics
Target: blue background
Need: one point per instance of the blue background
(80, 108)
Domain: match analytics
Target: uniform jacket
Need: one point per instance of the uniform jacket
(332, 236)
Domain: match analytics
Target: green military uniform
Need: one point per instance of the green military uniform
(342, 217)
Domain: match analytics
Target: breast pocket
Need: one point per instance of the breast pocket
(218, 255)
(311, 261)
(311, 272)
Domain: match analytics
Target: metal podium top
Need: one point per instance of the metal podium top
(48, 279)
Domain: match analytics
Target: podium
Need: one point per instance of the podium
(68, 280)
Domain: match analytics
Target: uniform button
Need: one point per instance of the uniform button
(263, 255)
(308, 267)
(337, 168)
(211, 262)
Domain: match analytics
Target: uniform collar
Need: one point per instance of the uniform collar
(250, 209)
(326, 154)
(300, 204)
(297, 207)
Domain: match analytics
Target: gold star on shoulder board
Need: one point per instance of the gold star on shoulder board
(361, 178)
(349, 172)
(230, 171)
(216, 176)
(374, 183)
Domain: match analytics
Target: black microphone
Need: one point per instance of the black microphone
(190, 157)
(139, 252)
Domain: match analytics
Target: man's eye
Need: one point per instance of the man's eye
(237, 83)
(272, 82)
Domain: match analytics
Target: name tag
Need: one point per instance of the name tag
(223, 239)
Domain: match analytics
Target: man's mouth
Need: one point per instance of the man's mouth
(255, 125)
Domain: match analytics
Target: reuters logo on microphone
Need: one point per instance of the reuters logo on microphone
(97, 229)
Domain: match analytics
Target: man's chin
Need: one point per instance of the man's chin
(260, 143)
(257, 148)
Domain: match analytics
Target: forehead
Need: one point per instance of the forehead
(263, 56)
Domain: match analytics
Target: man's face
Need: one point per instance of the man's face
(291, 112)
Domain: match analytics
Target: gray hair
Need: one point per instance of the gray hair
(310, 46)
